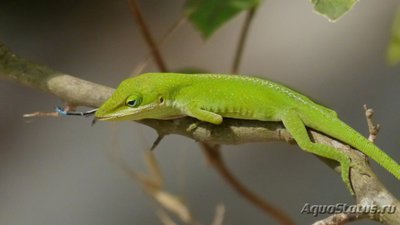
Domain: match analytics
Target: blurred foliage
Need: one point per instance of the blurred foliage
(393, 51)
(209, 15)
(333, 9)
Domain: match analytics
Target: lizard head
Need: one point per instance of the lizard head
(136, 98)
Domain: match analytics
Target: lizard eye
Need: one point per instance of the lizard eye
(133, 101)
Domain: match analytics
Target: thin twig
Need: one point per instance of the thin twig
(242, 40)
(219, 215)
(165, 218)
(156, 142)
(41, 114)
(154, 186)
(137, 13)
(143, 64)
(214, 157)
(68, 110)
(373, 127)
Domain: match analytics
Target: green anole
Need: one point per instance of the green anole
(211, 97)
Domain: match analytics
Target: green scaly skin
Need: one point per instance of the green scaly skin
(211, 97)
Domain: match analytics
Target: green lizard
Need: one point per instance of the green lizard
(211, 97)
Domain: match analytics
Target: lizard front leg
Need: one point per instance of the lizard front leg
(193, 110)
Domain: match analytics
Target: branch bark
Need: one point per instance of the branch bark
(368, 189)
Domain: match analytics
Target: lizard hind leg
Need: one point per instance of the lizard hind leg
(297, 129)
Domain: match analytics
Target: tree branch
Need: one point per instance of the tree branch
(368, 189)
(70, 89)
(171, 30)
(214, 157)
(137, 13)
(242, 40)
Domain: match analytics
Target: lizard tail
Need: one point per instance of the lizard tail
(359, 142)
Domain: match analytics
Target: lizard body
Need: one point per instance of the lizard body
(211, 97)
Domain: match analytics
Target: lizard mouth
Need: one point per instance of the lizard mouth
(130, 113)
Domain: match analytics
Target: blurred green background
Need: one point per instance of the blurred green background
(58, 171)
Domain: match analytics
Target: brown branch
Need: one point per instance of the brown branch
(137, 13)
(242, 40)
(368, 189)
(215, 159)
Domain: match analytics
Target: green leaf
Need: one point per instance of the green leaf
(333, 9)
(209, 15)
(393, 51)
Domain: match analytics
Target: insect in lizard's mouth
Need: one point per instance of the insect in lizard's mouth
(76, 113)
